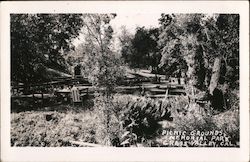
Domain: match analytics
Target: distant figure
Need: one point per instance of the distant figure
(75, 94)
(77, 70)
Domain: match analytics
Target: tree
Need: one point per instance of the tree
(200, 40)
(141, 50)
(102, 63)
(154, 52)
(170, 45)
(224, 45)
(39, 41)
(103, 67)
(127, 50)
(182, 48)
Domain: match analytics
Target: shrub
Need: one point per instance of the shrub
(108, 127)
(233, 100)
(229, 122)
(139, 116)
(191, 116)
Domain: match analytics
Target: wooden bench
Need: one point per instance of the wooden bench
(77, 94)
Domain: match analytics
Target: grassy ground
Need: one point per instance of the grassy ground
(52, 128)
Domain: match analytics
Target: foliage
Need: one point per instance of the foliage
(191, 42)
(181, 35)
(39, 41)
(140, 50)
(192, 116)
(233, 100)
(127, 50)
(135, 119)
(140, 116)
(102, 66)
(226, 42)
(143, 119)
(108, 124)
(188, 43)
(229, 122)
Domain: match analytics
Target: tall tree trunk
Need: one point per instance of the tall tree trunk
(206, 66)
(195, 72)
(215, 75)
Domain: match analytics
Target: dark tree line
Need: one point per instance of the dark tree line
(39, 41)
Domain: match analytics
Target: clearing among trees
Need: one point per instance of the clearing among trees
(174, 85)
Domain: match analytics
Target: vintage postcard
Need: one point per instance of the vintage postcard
(125, 81)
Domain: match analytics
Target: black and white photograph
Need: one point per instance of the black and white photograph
(107, 79)
(122, 80)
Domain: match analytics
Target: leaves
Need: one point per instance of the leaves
(191, 42)
(143, 114)
(140, 50)
(40, 39)
(102, 66)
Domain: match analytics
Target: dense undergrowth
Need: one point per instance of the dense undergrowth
(134, 120)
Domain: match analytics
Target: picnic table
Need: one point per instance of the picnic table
(63, 95)
(67, 91)
(63, 91)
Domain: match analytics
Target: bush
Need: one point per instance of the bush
(108, 126)
(191, 116)
(229, 122)
(139, 116)
(233, 100)
(142, 116)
